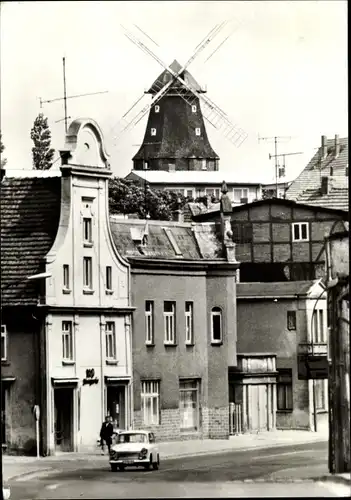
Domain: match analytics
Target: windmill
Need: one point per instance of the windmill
(183, 87)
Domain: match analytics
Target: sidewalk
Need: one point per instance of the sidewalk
(15, 466)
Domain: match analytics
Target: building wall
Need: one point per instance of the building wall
(84, 195)
(89, 353)
(263, 236)
(23, 392)
(262, 327)
(169, 364)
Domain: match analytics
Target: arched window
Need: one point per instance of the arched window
(216, 326)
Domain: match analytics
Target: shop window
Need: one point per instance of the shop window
(189, 405)
(150, 402)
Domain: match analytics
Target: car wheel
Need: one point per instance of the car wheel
(114, 467)
(156, 464)
(121, 467)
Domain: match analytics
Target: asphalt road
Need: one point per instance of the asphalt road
(231, 474)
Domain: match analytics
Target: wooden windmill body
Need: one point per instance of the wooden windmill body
(175, 136)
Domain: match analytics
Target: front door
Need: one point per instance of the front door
(63, 401)
(258, 417)
(116, 405)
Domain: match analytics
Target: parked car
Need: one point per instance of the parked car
(135, 448)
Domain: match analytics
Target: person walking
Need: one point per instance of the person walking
(106, 433)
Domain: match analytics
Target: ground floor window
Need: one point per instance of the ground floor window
(189, 404)
(150, 402)
(321, 394)
(284, 389)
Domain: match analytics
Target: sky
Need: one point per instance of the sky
(282, 72)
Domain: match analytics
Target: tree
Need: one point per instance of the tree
(2, 147)
(127, 197)
(41, 136)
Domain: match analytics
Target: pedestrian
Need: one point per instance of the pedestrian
(106, 433)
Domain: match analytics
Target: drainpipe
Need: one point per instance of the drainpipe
(314, 380)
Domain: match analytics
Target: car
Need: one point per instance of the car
(134, 448)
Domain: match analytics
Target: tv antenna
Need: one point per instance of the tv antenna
(65, 97)
(282, 173)
(276, 139)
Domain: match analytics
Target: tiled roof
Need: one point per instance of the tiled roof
(166, 240)
(276, 289)
(30, 210)
(185, 177)
(306, 187)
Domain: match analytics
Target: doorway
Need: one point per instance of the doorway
(63, 424)
(116, 405)
(258, 414)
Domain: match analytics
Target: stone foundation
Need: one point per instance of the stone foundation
(214, 424)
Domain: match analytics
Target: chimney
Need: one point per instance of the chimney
(325, 185)
(3, 173)
(324, 147)
(337, 146)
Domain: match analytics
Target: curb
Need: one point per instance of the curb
(230, 450)
(35, 472)
(335, 479)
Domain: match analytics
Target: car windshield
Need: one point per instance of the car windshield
(131, 438)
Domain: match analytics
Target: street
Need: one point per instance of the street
(255, 473)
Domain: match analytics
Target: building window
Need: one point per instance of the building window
(149, 322)
(108, 278)
(169, 322)
(284, 390)
(3, 343)
(150, 402)
(189, 323)
(66, 276)
(157, 108)
(153, 131)
(189, 193)
(189, 405)
(291, 320)
(197, 131)
(216, 323)
(67, 341)
(318, 327)
(321, 394)
(110, 338)
(87, 273)
(215, 193)
(240, 194)
(203, 163)
(193, 108)
(300, 231)
(87, 230)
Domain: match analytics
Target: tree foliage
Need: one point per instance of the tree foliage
(41, 136)
(2, 147)
(127, 197)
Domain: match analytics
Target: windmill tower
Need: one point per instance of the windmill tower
(175, 136)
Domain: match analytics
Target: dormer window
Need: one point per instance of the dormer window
(197, 131)
(157, 108)
(153, 131)
(193, 108)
